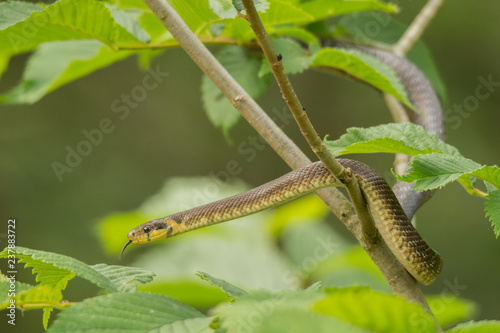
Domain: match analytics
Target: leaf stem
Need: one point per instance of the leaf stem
(397, 277)
(29, 306)
(220, 40)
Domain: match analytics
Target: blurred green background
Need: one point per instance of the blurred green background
(168, 135)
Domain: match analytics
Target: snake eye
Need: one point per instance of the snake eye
(146, 229)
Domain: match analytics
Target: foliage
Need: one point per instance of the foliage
(73, 38)
(244, 68)
(434, 164)
(53, 271)
(311, 252)
(350, 309)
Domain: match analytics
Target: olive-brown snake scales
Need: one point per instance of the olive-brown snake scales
(391, 210)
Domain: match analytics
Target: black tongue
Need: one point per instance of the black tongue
(124, 247)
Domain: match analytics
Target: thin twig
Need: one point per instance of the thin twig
(417, 27)
(305, 125)
(398, 112)
(397, 277)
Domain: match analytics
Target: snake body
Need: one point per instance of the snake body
(391, 211)
(410, 249)
(423, 97)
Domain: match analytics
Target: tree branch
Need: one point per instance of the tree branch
(417, 27)
(397, 277)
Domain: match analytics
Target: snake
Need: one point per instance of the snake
(390, 209)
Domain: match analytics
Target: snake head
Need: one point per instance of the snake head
(152, 231)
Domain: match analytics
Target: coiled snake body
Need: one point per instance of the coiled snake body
(391, 216)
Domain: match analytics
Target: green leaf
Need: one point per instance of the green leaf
(278, 14)
(39, 296)
(56, 270)
(132, 4)
(30, 297)
(490, 174)
(244, 68)
(265, 318)
(389, 31)
(130, 312)
(405, 138)
(260, 5)
(316, 286)
(294, 57)
(124, 277)
(159, 35)
(283, 12)
(65, 20)
(223, 8)
(436, 170)
(347, 267)
(308, 245)
(229, 289)
(46, 316)
(375, 311)
(492, 210)
(299, 33)
(190, 292)
(196, 14)
(12, 12)
(468, 183)
(5, 289)
(230, 8)
(434, 165)
(366, 68)
(485, 326)
(46, 272)
(286, 311)
(129, 19)
(489, 187)
(55, 64)
(322, 9)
